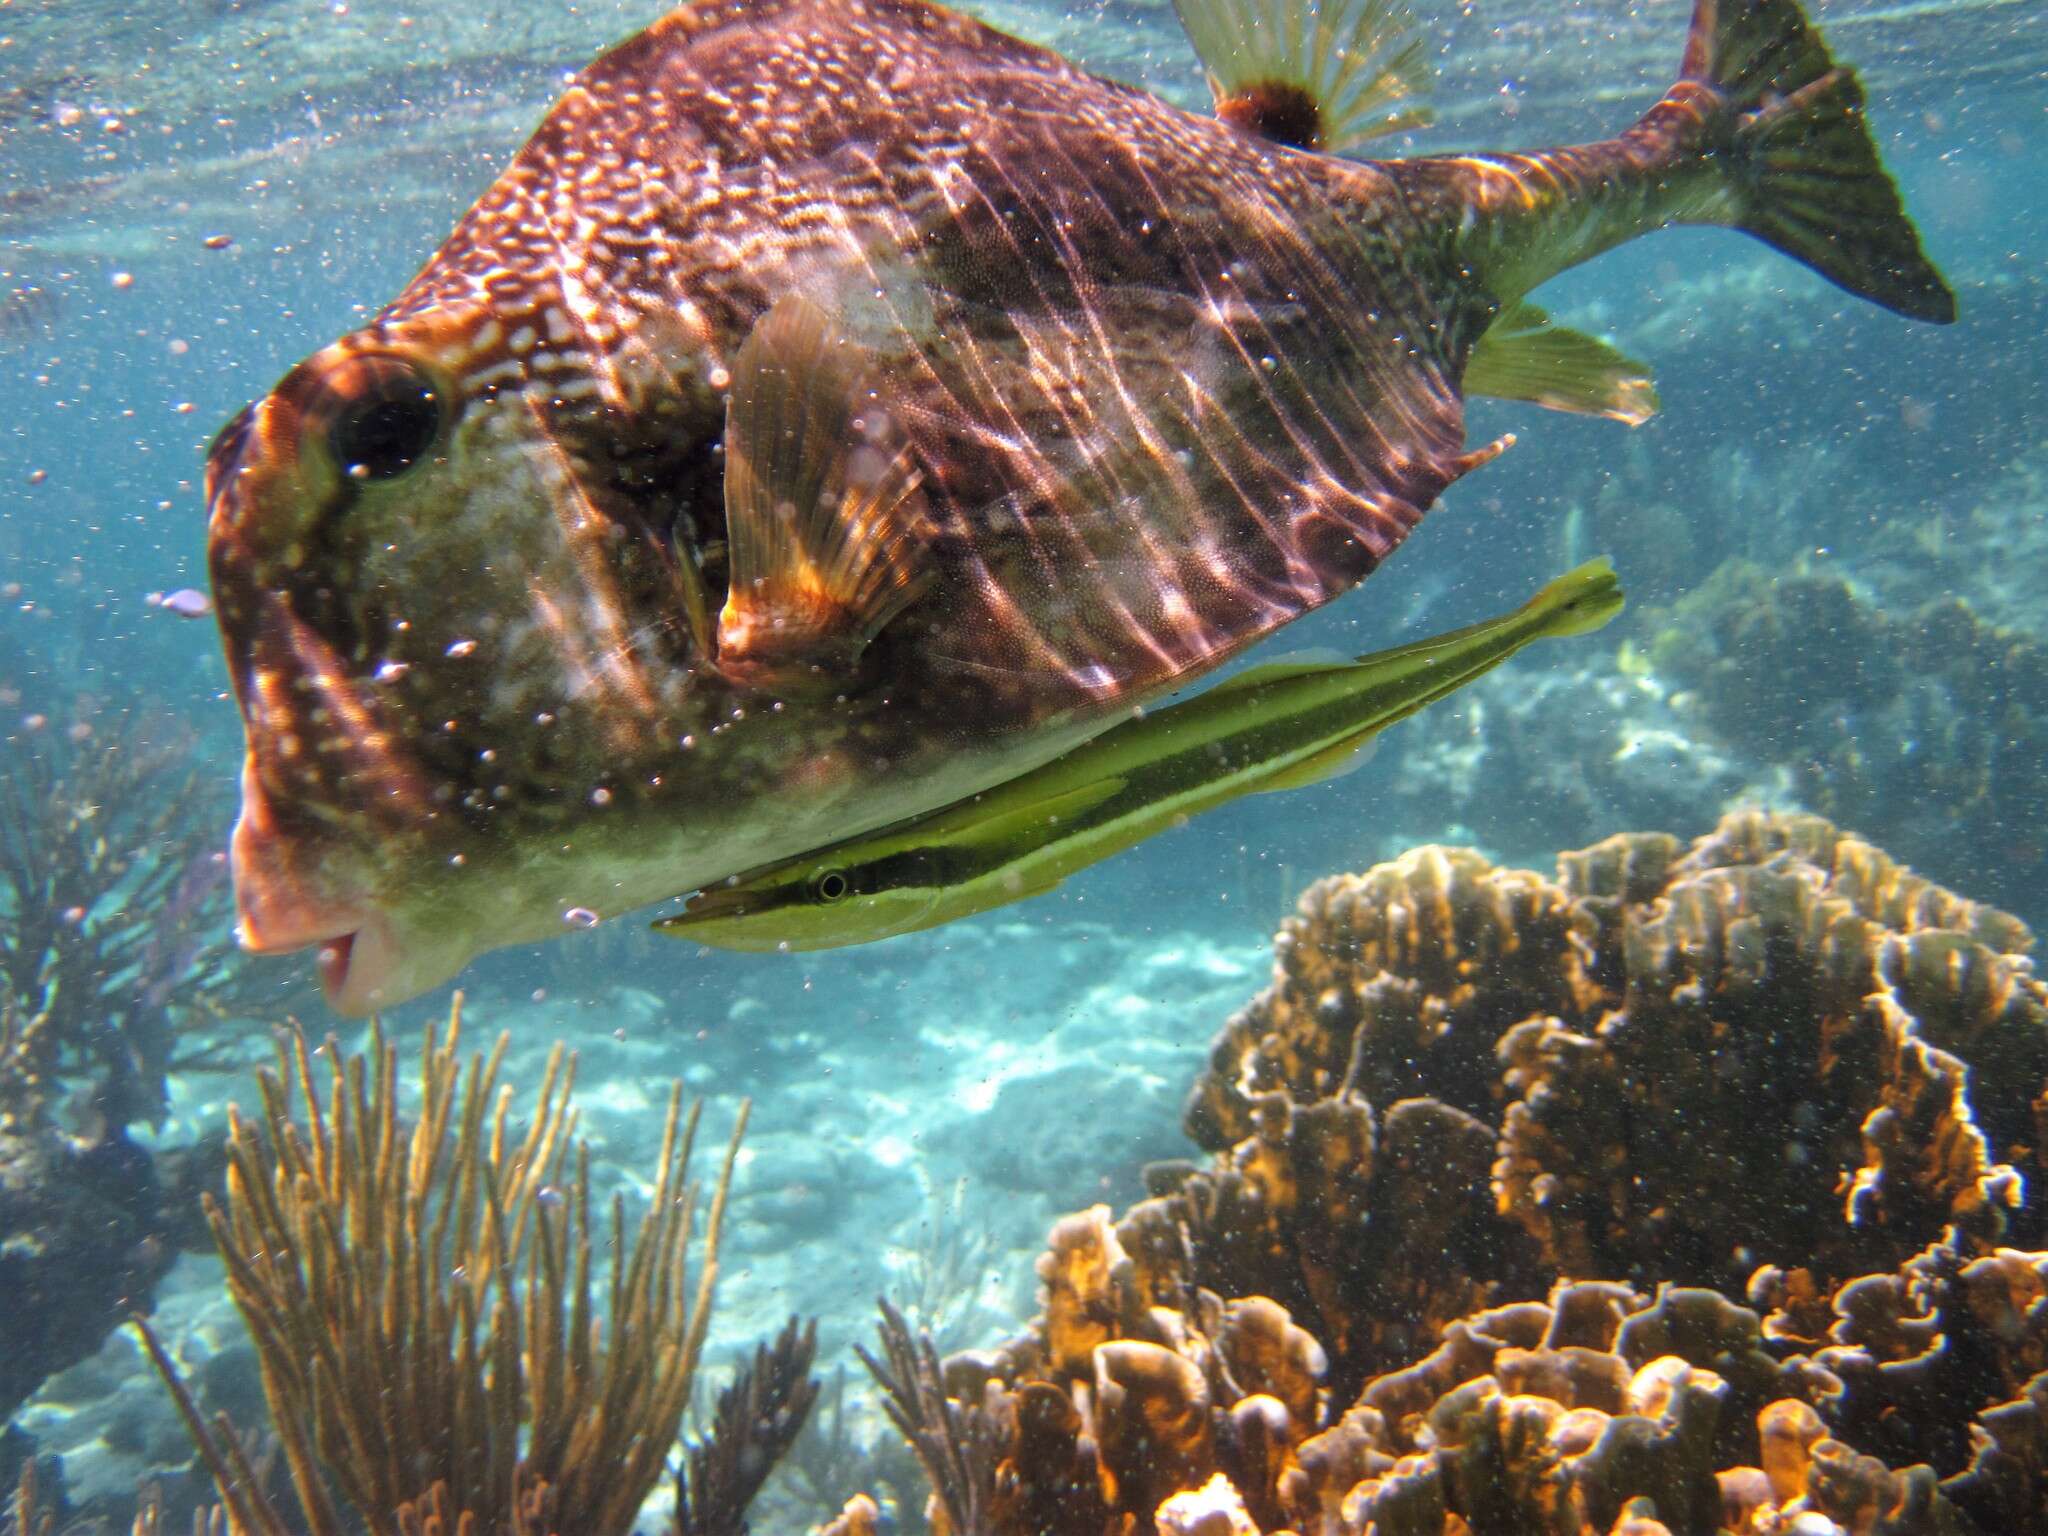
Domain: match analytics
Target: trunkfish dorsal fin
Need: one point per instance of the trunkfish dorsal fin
(822, 505)
(1325, 76)
(1522, 356)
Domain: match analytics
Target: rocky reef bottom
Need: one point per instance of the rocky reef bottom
(1686, 1192)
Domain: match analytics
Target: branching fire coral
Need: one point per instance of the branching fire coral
(1548, 1127)
(422, 1305)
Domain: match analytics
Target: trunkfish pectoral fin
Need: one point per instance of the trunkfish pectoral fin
(1522, 356)
(822, 503)
(1325, 76)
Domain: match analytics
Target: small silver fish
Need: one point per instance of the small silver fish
(186, 602)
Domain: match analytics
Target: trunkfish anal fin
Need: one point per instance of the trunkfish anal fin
(1522, 356)
(822, 506)
(1325, 76)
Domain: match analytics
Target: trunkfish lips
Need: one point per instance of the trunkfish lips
(839, 409)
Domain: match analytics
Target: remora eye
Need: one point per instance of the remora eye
(386, 415)
(830, 886)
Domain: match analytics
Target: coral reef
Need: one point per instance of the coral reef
(1528, 758)
(1664, 1063)
(1922, 718)
(755, 1424)
(117, 967)
(118, 963)
(420, 1297)
(1550, 1127)
(848, 1442)
(83, 1241)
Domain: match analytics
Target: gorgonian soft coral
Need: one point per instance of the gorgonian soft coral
(117, 967)
(118, 963)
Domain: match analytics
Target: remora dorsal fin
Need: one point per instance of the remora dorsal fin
(1031, 820)
(822, 505)
(1316, 74)
(1522, 356)
(1332, 762)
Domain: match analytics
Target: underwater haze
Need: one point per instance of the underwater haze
(1619, 1094)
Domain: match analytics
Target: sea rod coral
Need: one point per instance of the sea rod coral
(420, 1295)
(1491, 1156)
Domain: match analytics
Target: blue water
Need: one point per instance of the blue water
(199, 195)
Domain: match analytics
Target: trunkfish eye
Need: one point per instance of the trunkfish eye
(383, 416)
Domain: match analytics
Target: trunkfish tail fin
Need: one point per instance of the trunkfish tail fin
(1764, 133)
(1794, 144)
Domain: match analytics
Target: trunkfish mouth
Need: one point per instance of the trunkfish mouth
(368, 955)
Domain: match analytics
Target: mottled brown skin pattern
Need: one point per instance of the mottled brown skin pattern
(1171, 385)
